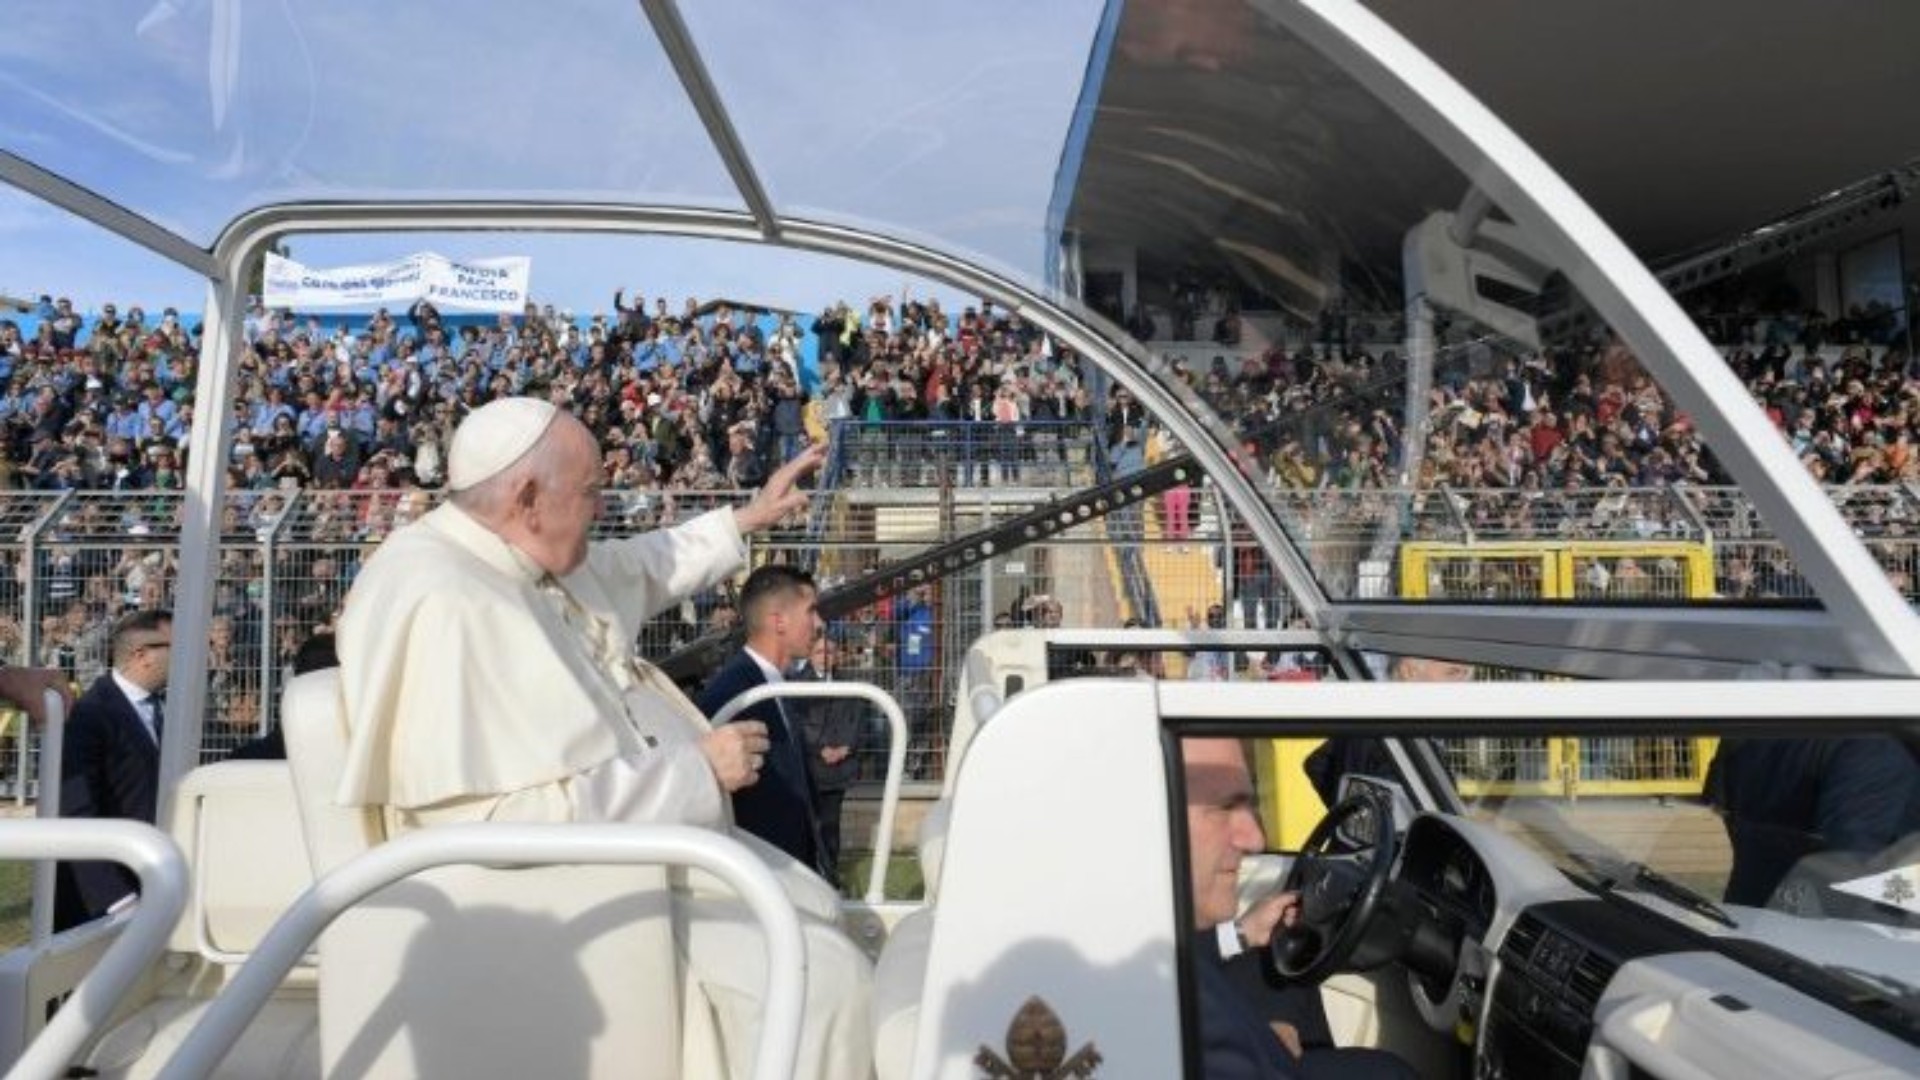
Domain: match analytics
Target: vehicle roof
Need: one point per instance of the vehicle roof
(985, 146)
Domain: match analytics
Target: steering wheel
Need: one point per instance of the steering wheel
(1338, 893)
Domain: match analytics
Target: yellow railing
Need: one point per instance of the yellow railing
(1623, 570)
(1585, 570)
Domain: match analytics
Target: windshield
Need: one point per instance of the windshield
(1428, 403)
(1807, 843)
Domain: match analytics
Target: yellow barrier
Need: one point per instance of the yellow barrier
(1586, 570)
(1624, 570)
(1289, 807)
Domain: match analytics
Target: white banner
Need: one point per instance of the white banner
(476, 285)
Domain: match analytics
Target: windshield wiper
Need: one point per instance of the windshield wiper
(1901, 993)
(1609, 874)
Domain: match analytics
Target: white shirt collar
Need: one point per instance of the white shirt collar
(773, 674)
(135, 693)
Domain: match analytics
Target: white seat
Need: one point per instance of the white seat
(587, 970)
(897, 984)
(238, 826)
(959, 973)
(317, 755)
(562, 971)
(900, 974)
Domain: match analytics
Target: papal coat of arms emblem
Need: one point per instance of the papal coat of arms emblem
(1037, 1049)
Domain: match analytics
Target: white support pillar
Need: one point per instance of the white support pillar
(206, 476)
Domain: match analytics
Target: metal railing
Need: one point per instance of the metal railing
(163, 895)
(70, 563)
(514, 845)
(896, 754)
(966, 453)
(46, 872)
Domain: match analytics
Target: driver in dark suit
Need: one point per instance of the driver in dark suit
(110, 762)
(1238, 1042)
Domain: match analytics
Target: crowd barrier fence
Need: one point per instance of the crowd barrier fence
(72, 562)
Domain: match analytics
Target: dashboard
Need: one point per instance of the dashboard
(1454, 900)
(1450, 877)
(1556, 982)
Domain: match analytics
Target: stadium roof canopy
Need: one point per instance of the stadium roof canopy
(1683, 125)
(1001, 148)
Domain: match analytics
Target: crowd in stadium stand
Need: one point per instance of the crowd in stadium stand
(705, 398)
(710, 397)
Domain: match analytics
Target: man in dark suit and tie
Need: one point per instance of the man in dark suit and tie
(777, 604)
(110, 764)
(1237, 1041)
(834, 730)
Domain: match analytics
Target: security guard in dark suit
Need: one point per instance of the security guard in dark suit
(1785, 799)
(110, 762)
(778, 604)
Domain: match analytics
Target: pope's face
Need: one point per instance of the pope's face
(567, 504)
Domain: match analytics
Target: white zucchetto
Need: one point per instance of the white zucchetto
(493, 437)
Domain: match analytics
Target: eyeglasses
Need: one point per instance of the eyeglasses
(145, 645)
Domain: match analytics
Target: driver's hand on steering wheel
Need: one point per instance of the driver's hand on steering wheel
(1258, 924)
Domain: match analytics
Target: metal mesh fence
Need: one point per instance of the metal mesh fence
(1485, 764)
(1503, 578)
(928, 454)
(1628, 578)
(1563, 767)
(1638, 760)
(71, 563)
(1498, 515)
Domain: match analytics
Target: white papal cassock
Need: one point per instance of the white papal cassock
(479, 688)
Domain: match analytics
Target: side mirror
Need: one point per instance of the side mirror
(1356, 832)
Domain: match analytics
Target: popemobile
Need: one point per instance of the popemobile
(1485, 805)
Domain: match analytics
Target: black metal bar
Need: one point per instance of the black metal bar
(693, 662)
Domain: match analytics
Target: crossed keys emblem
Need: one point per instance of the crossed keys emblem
(1037, 1049)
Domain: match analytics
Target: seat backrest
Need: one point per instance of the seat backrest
(237, 824)
(996, 664)
(316, 735)
(471, 971)
(1057, 799)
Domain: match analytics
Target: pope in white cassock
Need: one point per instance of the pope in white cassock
(488, 674)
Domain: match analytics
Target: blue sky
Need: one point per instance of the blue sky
(190, 111)
(47, 250)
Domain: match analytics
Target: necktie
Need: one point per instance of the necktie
(157, 711)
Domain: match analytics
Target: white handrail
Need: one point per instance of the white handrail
(53, 742)
(516, 845)
(984, 696)
(896, 754)
(163, 894)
